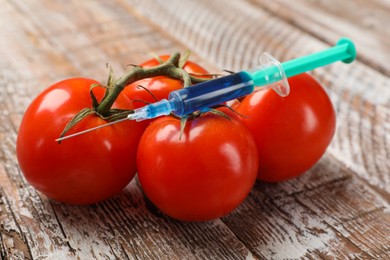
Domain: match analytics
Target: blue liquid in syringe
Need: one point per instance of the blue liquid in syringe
(203, 96)
(211, 93)
(199, 97)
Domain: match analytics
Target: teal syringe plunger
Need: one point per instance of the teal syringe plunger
(271, 74)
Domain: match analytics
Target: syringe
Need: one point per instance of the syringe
(271, 74)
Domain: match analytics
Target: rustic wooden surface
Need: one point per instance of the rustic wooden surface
(338, 209)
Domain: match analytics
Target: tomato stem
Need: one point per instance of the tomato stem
(170, 68)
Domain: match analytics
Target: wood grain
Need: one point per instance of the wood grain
(338, 209)
(360, 20)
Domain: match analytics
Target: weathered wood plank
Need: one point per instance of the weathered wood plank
(81, 37)
(125, 225)
(325, 220)
(363, 21)
(328, 213)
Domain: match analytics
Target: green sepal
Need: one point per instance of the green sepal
(76, 119)
(219, 113)
(111, 76)
(117, 114)
(149, 92)
(184, 58)
(95, 102)
(183, 122)
(156, 57)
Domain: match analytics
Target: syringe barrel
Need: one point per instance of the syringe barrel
(211, 93)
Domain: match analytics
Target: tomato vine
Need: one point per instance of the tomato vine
(173, 68)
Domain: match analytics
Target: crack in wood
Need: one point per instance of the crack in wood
(71, 249)
(363, 254)
(15, 244)
(361, 214)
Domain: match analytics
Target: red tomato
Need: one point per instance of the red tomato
(84, 169)
(205, 174)
(291, 133)
(160, 86)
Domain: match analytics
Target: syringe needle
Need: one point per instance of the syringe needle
(90, 129)
(216, 91)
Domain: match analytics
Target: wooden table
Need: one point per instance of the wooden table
(338, 209)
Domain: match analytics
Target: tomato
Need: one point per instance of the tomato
(159, 86)
(203, 175)
(84, 169)
(291, 133)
